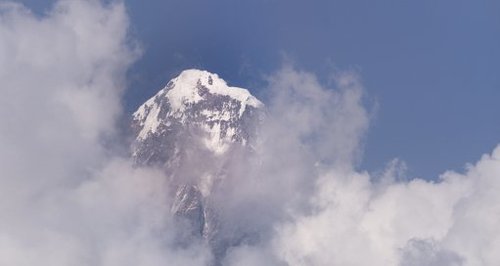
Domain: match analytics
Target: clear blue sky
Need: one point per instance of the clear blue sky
(432, 66)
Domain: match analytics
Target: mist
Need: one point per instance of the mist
(67, 197)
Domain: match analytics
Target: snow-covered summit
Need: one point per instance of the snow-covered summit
(191, 87)
(202, 100)
(184, 89)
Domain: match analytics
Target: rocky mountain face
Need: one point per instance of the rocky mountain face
(195, 128)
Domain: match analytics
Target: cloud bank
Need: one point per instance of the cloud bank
(351, 217)
(67, 198)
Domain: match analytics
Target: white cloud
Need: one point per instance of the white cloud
(351, 217)
(330, 122)
(65, 199)
(358, 225)
(427, 252)
(62, 77)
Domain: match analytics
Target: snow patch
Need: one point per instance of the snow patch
(147, 115)
(214, 140)
(184, 90)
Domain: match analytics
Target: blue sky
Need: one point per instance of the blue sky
(431, 67)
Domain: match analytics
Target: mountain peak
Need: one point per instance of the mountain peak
(187, 88)
(198, 98)
(196, 128)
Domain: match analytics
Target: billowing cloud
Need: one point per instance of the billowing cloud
(352, 217)
(65, 197)
(426, 252)
(62, 76)
(457, 216)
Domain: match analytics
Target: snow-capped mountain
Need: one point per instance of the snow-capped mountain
(193, 128)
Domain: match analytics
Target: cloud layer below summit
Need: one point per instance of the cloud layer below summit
(67, 198)
(336, 215)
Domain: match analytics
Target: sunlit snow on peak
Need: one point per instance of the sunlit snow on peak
(184, 89)
(201, 101)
